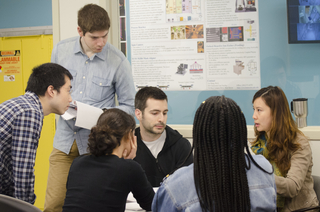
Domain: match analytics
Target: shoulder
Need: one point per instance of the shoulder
(80, 159)
(131, 167)
(263, 162)
(115, 52)
(184, 174)
(302, 140)
(256, 175)
(175, 137)
(180, 182)
(68, 41)
(172, 134)
(20, 105)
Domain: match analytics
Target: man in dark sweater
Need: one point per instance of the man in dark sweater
(161, 149)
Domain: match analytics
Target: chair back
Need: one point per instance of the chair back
(316, 180)
(10, 204)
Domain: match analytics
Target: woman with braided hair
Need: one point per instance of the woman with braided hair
(223, 177)
(102, 180)
(280, 141)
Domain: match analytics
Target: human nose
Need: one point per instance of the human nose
(102, 41)
(254, 116)
(161, 117)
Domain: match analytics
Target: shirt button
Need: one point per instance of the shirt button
(75, 132)
(100, 83)
(84, 77)
(86, 62)
(80, 91)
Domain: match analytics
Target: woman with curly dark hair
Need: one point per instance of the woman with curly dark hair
(280, 141)
(102, 180)
(223, 177)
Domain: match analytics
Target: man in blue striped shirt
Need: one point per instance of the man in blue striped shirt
(100, 72)
(21, 118)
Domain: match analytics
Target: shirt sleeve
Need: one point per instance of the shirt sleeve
(291, 185)
(25, 135)
(162, 201)
(125, 87)
(141, 187)
(53, 54)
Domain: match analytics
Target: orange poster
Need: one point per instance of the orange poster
(10, 63)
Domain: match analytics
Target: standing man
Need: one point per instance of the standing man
(100, 71)
(161, 149)
(21, 118)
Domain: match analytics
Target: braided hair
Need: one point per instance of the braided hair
(219, 141)
(113, 125)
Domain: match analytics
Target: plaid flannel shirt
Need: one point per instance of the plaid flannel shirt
(21, 122)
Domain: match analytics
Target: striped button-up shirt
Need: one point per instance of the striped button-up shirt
(95, 82)
(21, 122)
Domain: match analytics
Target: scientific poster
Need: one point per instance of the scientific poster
(195, 44)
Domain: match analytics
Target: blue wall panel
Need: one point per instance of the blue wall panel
(25, 13)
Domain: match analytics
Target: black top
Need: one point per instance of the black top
(103, 184)
(175, 150)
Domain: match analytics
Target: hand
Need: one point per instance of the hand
(133, 151)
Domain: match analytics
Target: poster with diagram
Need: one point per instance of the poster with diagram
(194, 44)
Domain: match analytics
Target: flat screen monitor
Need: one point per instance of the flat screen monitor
(303, 21)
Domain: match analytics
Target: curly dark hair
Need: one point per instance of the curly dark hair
(113, 125)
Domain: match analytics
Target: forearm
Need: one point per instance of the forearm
(291, 185)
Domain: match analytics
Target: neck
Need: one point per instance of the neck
(148, 136)
(118, 151)
(45, 105)
(85, 48)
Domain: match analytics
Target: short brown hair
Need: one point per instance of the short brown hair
(140, 101)
(92, 18)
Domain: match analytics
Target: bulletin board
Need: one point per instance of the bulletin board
(293, 67)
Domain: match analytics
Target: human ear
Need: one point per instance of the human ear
(50, 91)
(138, 114)
(80, 31)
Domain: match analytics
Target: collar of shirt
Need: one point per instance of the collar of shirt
(35, 98)
(102, 55)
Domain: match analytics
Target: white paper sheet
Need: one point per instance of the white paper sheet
(69, 114)
(132, 204)
(87, 115)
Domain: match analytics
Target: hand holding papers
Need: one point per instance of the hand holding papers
(86, 115)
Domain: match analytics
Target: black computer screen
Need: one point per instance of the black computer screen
(303, 21)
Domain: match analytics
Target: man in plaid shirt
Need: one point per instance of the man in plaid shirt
(21, 118)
